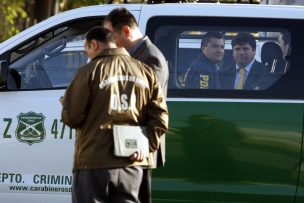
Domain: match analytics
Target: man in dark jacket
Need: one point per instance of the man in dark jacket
(127, 34)
(247, 73)
(204, 72)
(113, 89)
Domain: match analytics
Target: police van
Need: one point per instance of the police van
(224, 145)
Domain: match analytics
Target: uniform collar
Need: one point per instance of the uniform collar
(113, 51)
(204, 57)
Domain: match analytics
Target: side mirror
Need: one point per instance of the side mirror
(3, 74)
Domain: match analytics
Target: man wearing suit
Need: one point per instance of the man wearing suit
(247, 73)
(128, 35)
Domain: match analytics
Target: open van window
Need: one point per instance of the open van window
(50, 60)
(28, 46)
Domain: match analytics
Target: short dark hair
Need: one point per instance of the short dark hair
(100, 34)
(244, 38)
(120, 17)
(286, 37)
(206, 38)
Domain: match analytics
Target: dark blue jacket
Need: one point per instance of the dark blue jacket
(203, 74)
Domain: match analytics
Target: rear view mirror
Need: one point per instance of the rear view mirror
(3, 74)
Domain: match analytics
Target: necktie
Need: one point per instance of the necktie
(242, 79)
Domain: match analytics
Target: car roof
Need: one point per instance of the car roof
(70, 15)
(149, 10)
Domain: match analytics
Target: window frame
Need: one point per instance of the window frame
(287, 87)
(94, 21)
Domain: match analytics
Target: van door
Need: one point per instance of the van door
(300, 189)
(36, 147)
(224, 144)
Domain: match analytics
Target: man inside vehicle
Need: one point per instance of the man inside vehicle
(246, 73)
(204, 72)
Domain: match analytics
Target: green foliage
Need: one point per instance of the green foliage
(68, 4)
(16, 15)
(12, 14)
(80, 3)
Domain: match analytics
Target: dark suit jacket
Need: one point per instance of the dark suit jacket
(148, 53)
(256, 80)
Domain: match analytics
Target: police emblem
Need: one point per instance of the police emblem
(30, 128)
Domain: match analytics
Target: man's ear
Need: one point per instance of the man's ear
(94, 44)
(202, 49)
(126, 30)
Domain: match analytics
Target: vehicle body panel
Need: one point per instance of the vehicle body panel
(231, 150)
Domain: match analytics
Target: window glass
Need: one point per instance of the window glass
(61, 66)
(51, 62)
(224, 58)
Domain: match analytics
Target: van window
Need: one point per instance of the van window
(50, 62)
(211, 65)
(206, 59)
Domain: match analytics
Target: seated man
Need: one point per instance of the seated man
(284, 42)
(204, 72)
(246, 73)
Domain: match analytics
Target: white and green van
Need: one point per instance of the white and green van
(224, 145)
